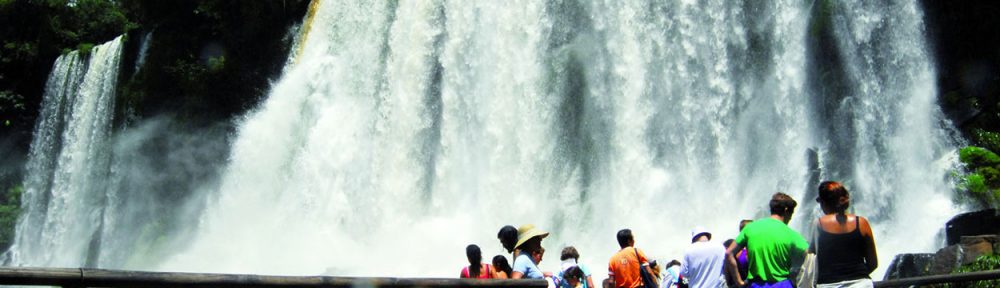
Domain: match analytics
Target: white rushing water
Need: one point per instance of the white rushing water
(405, 131)
(409, 130)
(64, 186)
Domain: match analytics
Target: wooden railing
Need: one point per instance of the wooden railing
(940, 279)
(83, 277)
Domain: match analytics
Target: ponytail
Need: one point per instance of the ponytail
(475, 260)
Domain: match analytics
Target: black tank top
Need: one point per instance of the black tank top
(841, 257)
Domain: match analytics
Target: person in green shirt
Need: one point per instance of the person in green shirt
(772, 247)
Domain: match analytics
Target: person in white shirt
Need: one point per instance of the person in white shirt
(704, 261)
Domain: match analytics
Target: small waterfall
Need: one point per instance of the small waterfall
(143, 50)
(68, 162)
(896, 138)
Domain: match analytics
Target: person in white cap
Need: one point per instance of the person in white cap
(704, 261)
(529, 247)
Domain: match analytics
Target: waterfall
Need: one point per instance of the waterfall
(402, 131)
(68, 162)
(407, 130)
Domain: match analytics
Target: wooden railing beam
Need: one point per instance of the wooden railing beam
(83, 277)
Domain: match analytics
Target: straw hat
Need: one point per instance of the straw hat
(528, 231)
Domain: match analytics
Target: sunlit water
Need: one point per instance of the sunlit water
(407, 130)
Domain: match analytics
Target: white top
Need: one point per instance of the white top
(671, 277)
(703, 264)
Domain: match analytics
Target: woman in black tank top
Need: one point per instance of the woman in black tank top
(845, 247)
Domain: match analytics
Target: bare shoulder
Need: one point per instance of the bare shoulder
(866, 228)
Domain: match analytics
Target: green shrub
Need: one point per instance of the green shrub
(976, 184)
(983, 263)
(10, 209)
(85, 48)
(982, 181)
(978, 157)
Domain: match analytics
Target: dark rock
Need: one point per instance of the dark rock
(946, 260)
(982, 222)
(909, 265)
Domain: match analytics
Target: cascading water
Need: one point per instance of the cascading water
(404, 131)
(408, 130)
(64, 187)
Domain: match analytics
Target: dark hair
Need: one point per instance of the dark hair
(673, 263)
(501, 264)
(744, 222)
(727, 242)
(508, 237)
(782, 204)
(569, 253)
(573, 272)
(475, 260)
(830, 193)
(624, 237)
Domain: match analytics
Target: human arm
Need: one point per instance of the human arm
(611, 275)
(516, 275)
(731, 267)
(590, 281)
(871, 256)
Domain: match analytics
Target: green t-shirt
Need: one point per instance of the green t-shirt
(771, 247)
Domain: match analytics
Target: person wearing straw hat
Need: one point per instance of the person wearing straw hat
(529, 244)
(703, 260)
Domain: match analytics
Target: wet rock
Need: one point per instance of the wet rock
(909, 265)
(983, 222)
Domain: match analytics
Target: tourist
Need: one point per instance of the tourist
(508, 238)
(703, 260)
(772, 247)
(573, 277)
(623, 269)
(476, 268)
(502, 267)
(570, 258)
(845, 248)
(671, 275)
(655, 268)
(529, 246)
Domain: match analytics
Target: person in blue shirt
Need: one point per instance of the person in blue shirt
(529, 249)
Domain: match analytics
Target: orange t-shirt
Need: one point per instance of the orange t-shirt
(624, 267)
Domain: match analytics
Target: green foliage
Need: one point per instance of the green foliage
(978, 157)
(85, 48)
(975, 183)
(216, 64)
(983, 263)
(982, 182)
(10, 104)
(15, 50)
(987, 139)
(10, 209)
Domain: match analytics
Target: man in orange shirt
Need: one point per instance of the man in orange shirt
(623, 270)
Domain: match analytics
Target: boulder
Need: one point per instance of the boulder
(946, 260)
(975, 246)
(981, 222)
(909, 265)
(969, 248)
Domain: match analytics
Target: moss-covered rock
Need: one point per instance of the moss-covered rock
(982, 182)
